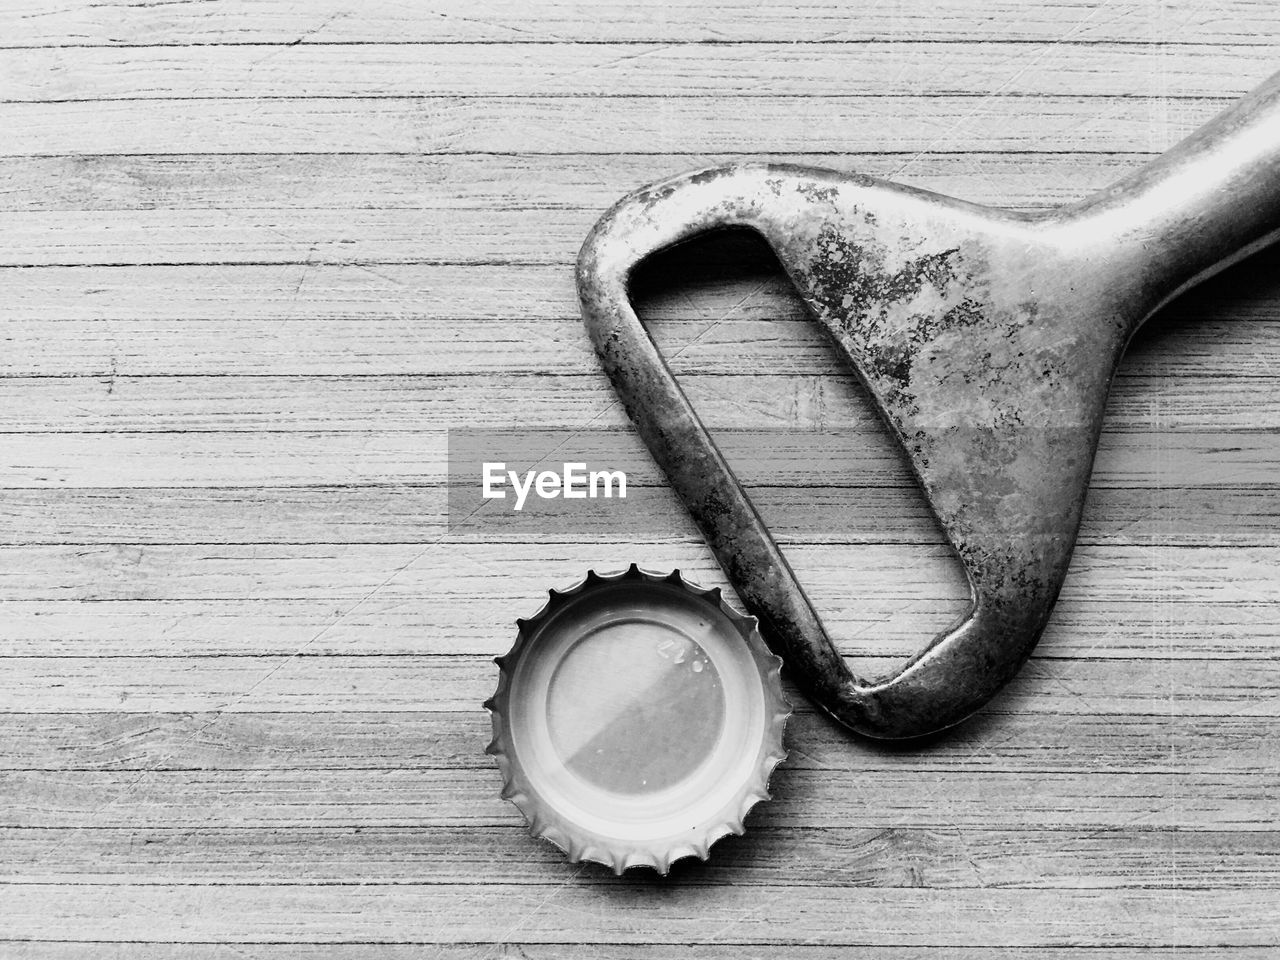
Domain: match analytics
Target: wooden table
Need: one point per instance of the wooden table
(260, 256)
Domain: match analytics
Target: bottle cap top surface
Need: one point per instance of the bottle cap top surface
(637, 719)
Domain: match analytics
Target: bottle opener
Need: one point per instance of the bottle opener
(987, 339)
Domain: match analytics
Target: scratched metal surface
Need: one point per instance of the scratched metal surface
(261, 256)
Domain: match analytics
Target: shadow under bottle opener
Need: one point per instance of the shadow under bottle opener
(988, 340)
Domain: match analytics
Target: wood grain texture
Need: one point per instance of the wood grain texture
(263, 257)
(57, 24)
(641, 123)
(868, 69)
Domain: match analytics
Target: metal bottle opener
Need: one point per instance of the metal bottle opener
(987, 339)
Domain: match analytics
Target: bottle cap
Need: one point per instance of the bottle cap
(637, 719)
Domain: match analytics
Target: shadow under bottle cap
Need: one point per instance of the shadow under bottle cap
(637, 719)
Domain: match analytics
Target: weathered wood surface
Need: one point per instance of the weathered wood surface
(262, 256)
(622, 69)
(641, 123)
(54, 23)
